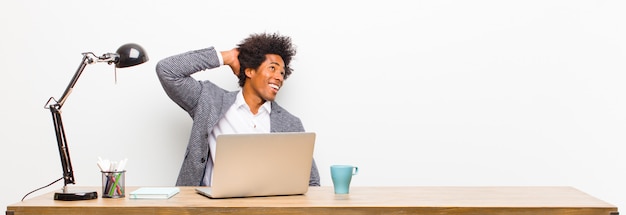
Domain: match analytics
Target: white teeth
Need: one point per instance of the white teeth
(274, 86)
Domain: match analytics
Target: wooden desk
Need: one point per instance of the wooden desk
(361, 200)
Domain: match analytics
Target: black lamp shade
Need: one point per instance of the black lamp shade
(131, 54)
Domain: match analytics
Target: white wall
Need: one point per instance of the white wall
(424, 93)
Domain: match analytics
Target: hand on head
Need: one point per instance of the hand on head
(230, 59)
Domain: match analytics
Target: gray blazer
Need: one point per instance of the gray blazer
(207, 103)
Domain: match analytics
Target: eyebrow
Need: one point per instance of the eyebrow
(275, 63)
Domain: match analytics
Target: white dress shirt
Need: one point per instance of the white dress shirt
(238, 119)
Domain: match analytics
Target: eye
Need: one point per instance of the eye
(272, 68)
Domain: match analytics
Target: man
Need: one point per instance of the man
(261, 62)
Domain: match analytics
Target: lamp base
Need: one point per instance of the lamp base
(75, 195)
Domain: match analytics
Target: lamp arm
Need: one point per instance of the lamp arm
(86, 60)
(64, 153)
(55, 110)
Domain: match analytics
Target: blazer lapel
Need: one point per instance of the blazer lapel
(276, 120)
(227, 100)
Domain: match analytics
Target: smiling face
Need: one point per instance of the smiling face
(264, 82)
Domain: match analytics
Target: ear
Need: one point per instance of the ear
(250, 72)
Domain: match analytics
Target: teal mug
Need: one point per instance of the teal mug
(342, 175)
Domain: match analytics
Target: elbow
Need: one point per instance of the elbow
(165, 69)
(161, 68)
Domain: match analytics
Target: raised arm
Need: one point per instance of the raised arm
(175, 75)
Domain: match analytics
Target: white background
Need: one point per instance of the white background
(415, 93)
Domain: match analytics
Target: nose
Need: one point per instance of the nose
(279, 76)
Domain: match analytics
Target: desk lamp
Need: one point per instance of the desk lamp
(126, 56)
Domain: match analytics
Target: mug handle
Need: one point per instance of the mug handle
(355, 170)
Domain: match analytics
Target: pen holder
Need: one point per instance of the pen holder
(113, 184)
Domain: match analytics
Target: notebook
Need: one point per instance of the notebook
(154, 193)
(267, 164)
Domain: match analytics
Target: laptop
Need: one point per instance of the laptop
(266, 164)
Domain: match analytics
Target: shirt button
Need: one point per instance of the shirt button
(202, 160)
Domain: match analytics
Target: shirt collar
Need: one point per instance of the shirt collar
(240, 102)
